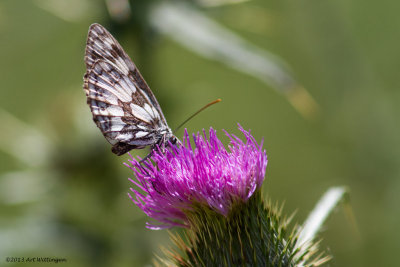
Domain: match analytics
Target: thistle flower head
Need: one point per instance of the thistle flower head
(202, 173)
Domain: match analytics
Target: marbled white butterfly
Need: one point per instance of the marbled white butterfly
(122, 104)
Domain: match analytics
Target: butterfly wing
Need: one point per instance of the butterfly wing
(122, 104)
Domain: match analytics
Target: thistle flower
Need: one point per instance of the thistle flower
(215, 194)
(183, 178)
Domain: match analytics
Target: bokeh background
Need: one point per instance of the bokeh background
(318, 80)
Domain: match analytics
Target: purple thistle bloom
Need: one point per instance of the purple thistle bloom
(208, 175)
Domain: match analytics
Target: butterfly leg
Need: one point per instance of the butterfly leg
(159, 145)
(148, 156)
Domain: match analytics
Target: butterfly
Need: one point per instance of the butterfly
(122, 104)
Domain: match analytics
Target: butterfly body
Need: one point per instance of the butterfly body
(122, 104)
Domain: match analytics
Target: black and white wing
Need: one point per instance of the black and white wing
(122, 104)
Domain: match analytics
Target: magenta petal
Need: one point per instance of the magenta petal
(198, 172)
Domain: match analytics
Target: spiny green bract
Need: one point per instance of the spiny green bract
(253, 234)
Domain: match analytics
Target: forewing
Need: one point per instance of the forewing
(122, 104)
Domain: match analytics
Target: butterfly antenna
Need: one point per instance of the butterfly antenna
(197, 112)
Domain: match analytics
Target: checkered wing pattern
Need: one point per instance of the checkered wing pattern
(123, 106)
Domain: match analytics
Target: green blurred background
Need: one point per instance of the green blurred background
(64, 194)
